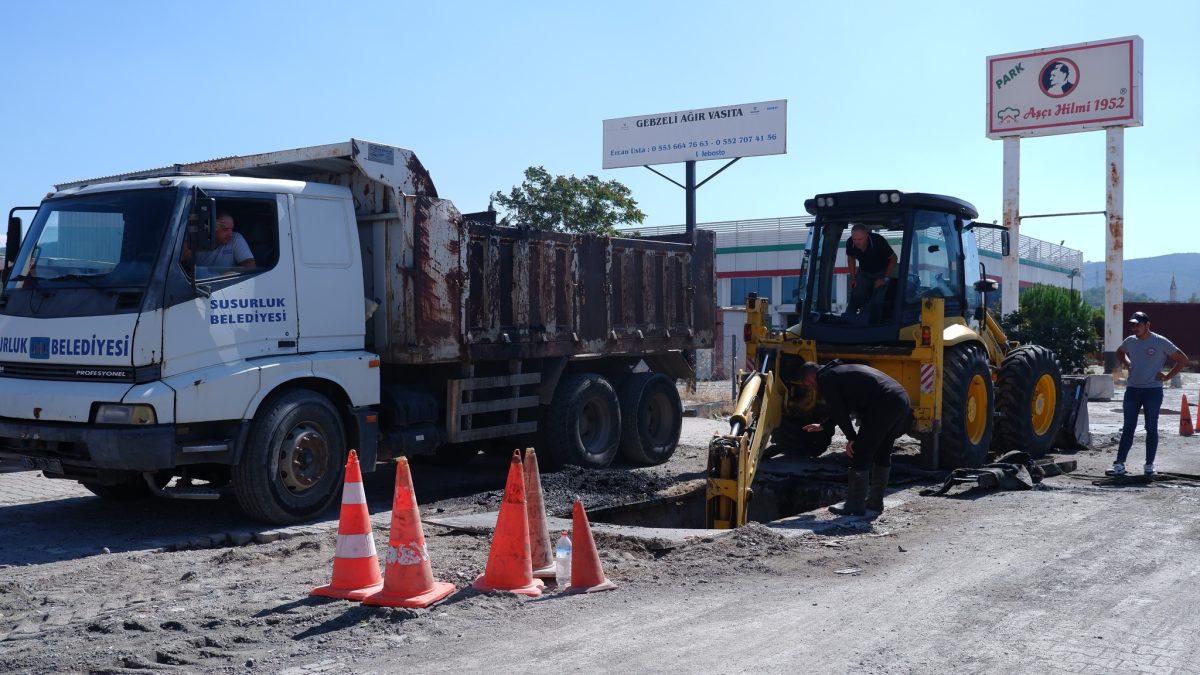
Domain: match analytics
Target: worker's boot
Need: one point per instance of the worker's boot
(856, 495)
(878, 486)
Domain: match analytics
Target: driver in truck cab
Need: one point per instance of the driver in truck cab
(871, 261)
(231, 249)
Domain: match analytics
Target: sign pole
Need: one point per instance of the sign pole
(1114, 245)
(689, 190)
(1011, 264)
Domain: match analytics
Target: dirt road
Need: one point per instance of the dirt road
(1070, 577)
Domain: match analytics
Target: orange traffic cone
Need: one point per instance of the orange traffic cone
(586, 574)
(541, 556)
(1185, 418)
(407, 576)
(508, 566)
(355, 565)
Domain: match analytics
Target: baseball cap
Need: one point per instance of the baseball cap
(1138, 317)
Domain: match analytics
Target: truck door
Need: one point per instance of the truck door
(251, 311)
(329, 279)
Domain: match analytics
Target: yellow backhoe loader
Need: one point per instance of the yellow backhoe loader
(972, 390)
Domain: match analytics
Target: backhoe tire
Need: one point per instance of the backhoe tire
(582, 423)
(651, 418)
(791, 439)
(1028, 400)
(291, 469)
(967, 400)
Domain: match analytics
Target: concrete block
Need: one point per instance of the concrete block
(1100, 387)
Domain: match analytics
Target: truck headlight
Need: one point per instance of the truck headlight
(118, 413)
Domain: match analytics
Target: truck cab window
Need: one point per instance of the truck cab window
(245, 241)
(98, 241)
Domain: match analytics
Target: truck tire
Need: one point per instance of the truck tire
(1028, 400)
(583, 423)
(651, 417)
(967, 401)
(292, 467)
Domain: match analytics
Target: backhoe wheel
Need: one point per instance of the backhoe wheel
(1029, 401)
(790, 438)
(651, 417)
(583, 423)
(967, 401)
(291, 469)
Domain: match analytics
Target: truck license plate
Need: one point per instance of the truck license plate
(44, 463)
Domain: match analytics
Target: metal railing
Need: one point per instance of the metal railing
(794, 230)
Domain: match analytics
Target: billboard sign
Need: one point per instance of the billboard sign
(746, 130)
(1061, 90)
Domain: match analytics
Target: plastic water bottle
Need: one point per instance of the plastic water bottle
(562, 561)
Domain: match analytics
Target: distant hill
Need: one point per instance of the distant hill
(1152, 276)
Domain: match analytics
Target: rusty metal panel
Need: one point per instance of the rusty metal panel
(592, 288)
(433, 325)
(521, 293)
(704, 289)
(526, 293)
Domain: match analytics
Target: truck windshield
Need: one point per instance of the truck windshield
(103, 240)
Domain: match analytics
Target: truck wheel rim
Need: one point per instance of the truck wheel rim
(655, 419)
(1044, 404)
(594, 425)
(976, 419)
(303, 459)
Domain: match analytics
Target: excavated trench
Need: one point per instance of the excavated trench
(775, 497)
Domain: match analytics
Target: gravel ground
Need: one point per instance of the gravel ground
(1035, 576)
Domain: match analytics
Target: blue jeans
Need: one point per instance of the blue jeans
(865, 296)
(1138, 398)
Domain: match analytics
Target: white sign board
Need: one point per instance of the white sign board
(746, 130)
(1066, 89)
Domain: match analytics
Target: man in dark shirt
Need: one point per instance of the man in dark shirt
(871, 261)
(882, 408)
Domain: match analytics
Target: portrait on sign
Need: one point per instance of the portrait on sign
(1059, 77)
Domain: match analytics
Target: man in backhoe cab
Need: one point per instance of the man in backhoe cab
(882, 408)
(871, 261)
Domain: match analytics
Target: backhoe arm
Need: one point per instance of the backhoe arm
(733, 459)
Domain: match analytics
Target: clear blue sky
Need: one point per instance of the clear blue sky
(880, 95)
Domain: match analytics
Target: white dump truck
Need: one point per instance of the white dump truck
(148, 347)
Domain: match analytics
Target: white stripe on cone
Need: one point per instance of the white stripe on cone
(353, 493)
(355, 546)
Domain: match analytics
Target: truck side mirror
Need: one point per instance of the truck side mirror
(11, 246)
(1004, 245)
(986, 286)
(202, 221)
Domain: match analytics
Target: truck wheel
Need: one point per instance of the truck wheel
(651, 417)
(967, 401)
(292, 467)
(583, 424)
(1028, 400)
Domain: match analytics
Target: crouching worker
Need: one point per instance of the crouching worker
(882, 408)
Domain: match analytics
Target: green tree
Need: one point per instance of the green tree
(1056, 318)
(568, 204)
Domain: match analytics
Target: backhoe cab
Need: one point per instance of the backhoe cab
(925, 324)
